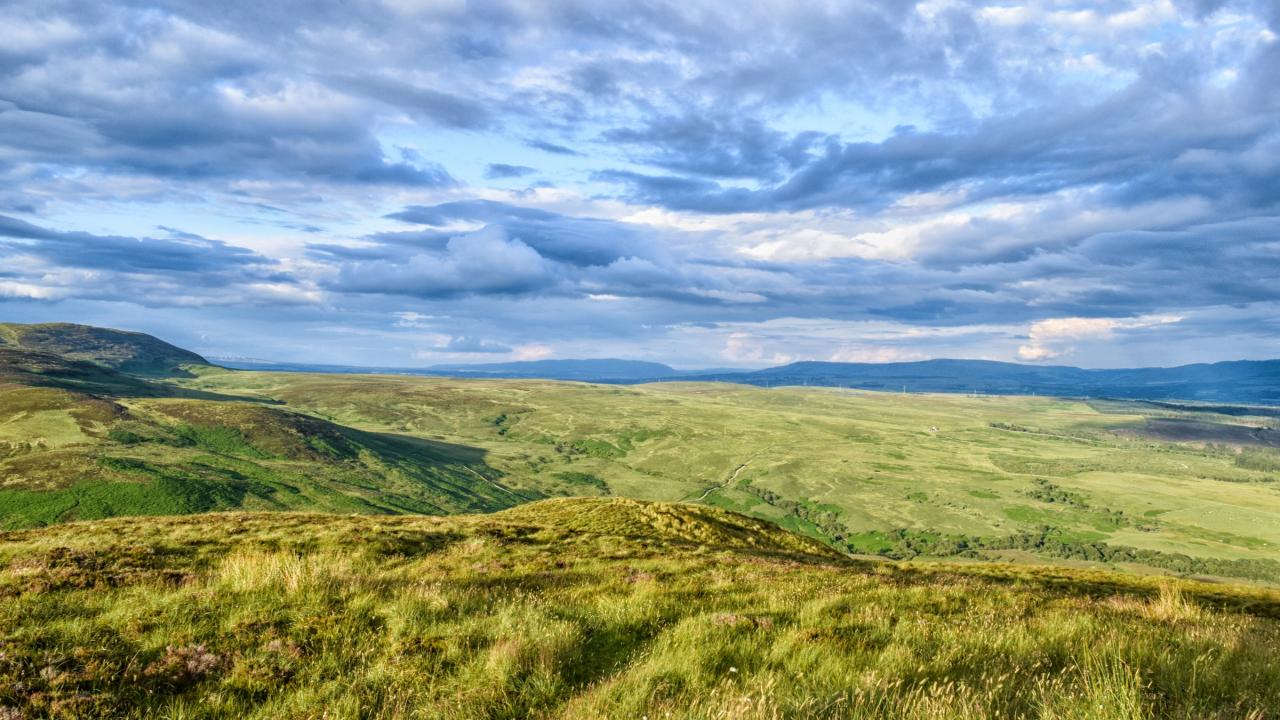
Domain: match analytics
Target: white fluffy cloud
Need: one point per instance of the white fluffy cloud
(1052, 338)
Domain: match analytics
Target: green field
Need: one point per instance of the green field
(1138, 485)
(604, 608)
(872, 472)
(1007, 520)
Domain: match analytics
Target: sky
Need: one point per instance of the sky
(707, 184)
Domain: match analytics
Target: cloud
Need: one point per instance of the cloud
(501, 171)
(469, 344)
(972, 176)
(533, 351)
(1052, 338)
(716, 146)
(552, 148)
(184, 269)
(484, 262)
(433, 106)
(188, 254)
(580, 241)
(876, 355)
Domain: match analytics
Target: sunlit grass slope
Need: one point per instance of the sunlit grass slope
(594, 608)
(67, 454)
(902, 475)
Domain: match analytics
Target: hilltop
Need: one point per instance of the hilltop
(594, 608)
(130, 352)
(41, 369)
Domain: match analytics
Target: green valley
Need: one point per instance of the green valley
(902, 475)
(198, 542)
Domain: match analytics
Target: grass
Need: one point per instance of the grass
(841, 465)
(595, 608)
(67, 455)
(867, 472)
(127, 351)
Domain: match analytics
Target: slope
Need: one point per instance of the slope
(130, 352)
(933, 475)
(564, 610)
(80, 440)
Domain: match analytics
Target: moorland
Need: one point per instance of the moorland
(405, 546)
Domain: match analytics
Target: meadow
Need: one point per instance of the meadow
(580, 608)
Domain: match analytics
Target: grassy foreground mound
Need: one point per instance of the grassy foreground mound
(584, 608)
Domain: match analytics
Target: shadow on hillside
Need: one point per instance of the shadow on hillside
(45, 370)
(457, 453)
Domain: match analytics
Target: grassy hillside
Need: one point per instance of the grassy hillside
(130, 352)
(594, 608)
(1187, 489)
(899, 475)
(39, 369)
(69, 450)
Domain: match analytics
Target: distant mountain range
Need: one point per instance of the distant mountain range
(605, 370)
(1240, 381)
(602, 369)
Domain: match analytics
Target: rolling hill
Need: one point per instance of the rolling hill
(601, 608)
(597, 370)
(1241, 381)
(1238, 382)
(81, 439)
(1141, 485)
(1159, 487)
(130, 352)
(746, 590)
